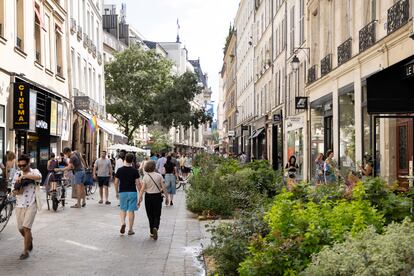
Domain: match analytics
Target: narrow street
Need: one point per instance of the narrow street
(87, 242)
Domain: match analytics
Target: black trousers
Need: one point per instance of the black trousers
(153, 205)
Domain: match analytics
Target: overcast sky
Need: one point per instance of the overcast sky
(204, 25)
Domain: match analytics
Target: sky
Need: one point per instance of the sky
(204, 25)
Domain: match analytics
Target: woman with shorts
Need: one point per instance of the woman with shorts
(170, 180)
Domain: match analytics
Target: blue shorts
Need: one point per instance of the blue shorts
(79, 177)
(128, 201)
(170, 183)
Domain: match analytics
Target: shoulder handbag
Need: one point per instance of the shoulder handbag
(162, 192)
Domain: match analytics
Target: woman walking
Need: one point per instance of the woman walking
(153, 187)
(170, 173)
(319, 163)
(52, 164)
(330, 168)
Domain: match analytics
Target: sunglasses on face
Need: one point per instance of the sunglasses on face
(21, 166)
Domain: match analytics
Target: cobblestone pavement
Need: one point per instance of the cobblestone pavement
(87, 242)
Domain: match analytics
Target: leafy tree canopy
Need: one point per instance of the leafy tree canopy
(132, 82)
(140, 90)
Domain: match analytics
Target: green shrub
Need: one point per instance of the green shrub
(230, 241)
(298, 230)
(369, 253)
(394, 205)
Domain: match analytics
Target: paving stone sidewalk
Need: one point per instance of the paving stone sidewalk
(87, 242)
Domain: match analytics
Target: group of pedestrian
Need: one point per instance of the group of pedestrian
(154, 179)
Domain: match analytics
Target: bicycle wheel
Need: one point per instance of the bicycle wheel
(178, 185)
(5, 214)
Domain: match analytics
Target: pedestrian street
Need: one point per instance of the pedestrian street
(87, 241)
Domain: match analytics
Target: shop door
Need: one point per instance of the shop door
(404, 149)
(328, 133)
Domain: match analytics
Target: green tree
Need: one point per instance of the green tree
(160, 141)
(174, 108)
(133, 82)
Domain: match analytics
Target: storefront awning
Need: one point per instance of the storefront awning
(256, 133)
(117, 136)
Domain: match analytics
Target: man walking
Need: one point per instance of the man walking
(160, 164)
(127, 182)
(27, 200)
(76, 165)
(102, 171)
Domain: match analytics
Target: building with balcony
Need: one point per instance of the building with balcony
(359, 84)
(35, 101)
(86, 75)
(244, 23)
(228, 75)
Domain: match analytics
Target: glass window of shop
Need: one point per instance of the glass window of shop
(317, 136)
(295, 147)
(346, 132)
(367, 135)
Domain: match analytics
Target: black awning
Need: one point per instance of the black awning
(392, 89)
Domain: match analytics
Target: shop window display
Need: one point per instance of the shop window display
(346, 133)
(295, 147)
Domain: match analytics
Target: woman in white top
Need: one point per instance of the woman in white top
(153, 187)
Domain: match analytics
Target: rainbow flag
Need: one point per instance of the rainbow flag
(93, 123)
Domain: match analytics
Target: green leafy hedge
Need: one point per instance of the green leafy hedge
(369, 253)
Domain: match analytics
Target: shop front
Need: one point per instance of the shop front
(39, 122)
(321, 128)
(390, 104)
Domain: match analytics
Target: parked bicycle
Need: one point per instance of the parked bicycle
(7, 203)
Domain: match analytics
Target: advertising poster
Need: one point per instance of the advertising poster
(32, 107)
(59, 119)
(53, 118)
(65, 124)
(44, 154)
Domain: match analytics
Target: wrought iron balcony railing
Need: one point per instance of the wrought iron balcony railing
(99, 57)
(79, 33)
(345, 51)
(326, 65)
(367, 36)
(398, 15)
(85, 40)
(312, 74)
(72, 25)
(93, 48)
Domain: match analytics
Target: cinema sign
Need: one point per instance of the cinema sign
(21, 113)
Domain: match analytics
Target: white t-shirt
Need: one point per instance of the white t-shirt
(118, 164)
(28, 198)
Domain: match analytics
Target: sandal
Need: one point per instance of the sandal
(130, 232)
(75, 206)
(122, 231)
(100, 201)
(24, 256)
(84, 204)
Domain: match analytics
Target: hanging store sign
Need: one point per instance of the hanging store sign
(21, 112)
(231, 133)
(81, 102)
(301, 102)
(409, 71)
(294, 122)
(277, 118)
